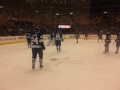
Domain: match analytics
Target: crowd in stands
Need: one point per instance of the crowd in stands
(14, 27)
(16, 21)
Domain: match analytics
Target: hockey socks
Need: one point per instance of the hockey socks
(41, 61)
(58, 48)
(33, 63)
(106, 49)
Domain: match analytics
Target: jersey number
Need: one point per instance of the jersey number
(35, 40)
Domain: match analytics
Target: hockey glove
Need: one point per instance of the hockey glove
(43, 48)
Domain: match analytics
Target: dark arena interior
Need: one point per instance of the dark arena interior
(59, 44)
(18, 16)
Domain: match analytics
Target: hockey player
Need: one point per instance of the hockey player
(28, 37)
(58, 38)
(117, 44)
(37, 45)
(108, 35)
(107, 42)
(62, 39)
(77, 36)
(100, 36)
(86, 35)
(51, 39)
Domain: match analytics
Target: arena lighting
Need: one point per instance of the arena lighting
(57, 14)
(64, 26)
(37, 11)
(1, 6)
(71, 13)
(105, 12)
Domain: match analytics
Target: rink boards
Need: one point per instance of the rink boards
(19, 39)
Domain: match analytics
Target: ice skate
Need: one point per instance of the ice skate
(41, 66)
(105, 52)
(33, 67)
(116, 52)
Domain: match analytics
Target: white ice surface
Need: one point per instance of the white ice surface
(81, 66)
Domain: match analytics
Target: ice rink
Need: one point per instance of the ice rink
(81, 66)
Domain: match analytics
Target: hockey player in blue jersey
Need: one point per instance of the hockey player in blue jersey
(37, 45)
(100, 36)
(58, 38)
(62, 39)
(117, 44)
(28, 37)
(107, 42)
(108, 35)
(77, 36)
(86, 35)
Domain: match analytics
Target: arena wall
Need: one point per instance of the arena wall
(12, 39)
(18, 39)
